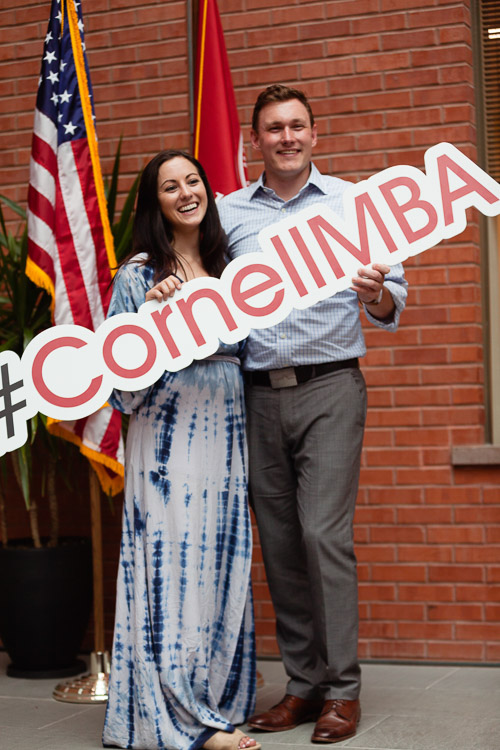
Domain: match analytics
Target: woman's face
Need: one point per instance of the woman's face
(181, 194)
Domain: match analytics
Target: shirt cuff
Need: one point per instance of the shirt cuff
(399, 293)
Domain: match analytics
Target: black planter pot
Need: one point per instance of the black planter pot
(45, 603)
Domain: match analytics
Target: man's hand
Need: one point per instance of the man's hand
(369, 285)
(164, 289)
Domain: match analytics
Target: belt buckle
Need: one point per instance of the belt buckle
(283, 378)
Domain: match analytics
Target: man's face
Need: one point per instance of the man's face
(285, 138)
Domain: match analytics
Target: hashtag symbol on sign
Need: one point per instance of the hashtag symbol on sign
(6, 392)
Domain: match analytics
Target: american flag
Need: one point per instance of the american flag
(70, 246)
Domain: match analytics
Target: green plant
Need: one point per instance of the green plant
(122, 228)
(25, 312)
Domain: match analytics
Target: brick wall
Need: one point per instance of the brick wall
(387, 79)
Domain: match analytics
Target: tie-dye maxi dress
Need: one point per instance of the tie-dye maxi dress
(183, 662)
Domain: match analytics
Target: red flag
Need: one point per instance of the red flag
(70, 246)
(218, 142)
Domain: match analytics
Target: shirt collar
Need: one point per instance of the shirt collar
(315, 178)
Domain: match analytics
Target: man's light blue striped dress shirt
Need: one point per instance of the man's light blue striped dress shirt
(328, 331)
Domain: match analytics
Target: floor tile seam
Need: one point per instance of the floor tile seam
(26, 698)
(444, 677)
(424, 712)
(65, 718)
(362, 732)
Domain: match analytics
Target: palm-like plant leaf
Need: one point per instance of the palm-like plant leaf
(25, 310)
(111, 188)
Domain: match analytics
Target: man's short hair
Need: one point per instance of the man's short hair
(278, 93)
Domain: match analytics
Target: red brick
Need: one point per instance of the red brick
(477, 593)
(388, 572)
(380, 22)
(492, 494)
(429, 631)
(399, 611)
(376, 476)
(432, 17)
(284, 54)
(442, 55)
(492, 612)
(482, 554)
(396, 535)
(378, 397)
(396, 496)
(377, 629)
(471, 475)
(377, 592)
(391, 5)
(425, 553)
(424, 475)
(246, 20)
(484, 516)
(492, 653)
(377, 437)
(399, 649)
(460, 374)
(443, 94)
(386, 61)
(423, 396)
(424, 515)
(383, 101)
(389, 139)
(455, 573)
(353, 45)
(352, 8)
(411, 78)
(454, 495)
(436, 456)
(476, 631)
(384, 417)
(425, 593)
(456, 651)
(408, 40)
(455, 535)
(455, 612)
(456, 74)
(280, 35)
(393, 457)
(372, 553)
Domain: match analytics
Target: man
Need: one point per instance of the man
(306, 405)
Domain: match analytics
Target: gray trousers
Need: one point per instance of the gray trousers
(304, 458)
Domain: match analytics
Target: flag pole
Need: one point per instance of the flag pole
(92, 687)
(190, 47)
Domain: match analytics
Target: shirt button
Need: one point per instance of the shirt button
(283, 210)
(282, 335)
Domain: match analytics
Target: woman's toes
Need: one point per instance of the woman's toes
(246, 742)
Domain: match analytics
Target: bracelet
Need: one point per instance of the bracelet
(378, 299)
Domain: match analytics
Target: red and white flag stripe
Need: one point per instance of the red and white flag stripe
(69, 240)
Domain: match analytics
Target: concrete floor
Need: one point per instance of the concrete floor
(404, 708)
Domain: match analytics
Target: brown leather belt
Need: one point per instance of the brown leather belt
(290, 376)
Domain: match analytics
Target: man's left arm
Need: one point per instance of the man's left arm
(382, 290)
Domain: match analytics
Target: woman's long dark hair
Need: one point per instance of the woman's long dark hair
(152, 233)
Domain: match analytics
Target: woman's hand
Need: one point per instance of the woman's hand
(164, 289)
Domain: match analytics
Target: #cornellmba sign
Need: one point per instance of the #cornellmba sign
(68, 372)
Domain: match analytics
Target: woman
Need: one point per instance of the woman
(183, 668)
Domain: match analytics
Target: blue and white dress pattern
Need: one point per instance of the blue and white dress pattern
(183, 661)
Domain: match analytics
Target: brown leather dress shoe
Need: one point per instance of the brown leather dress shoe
(337, 721)
(287, 714)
